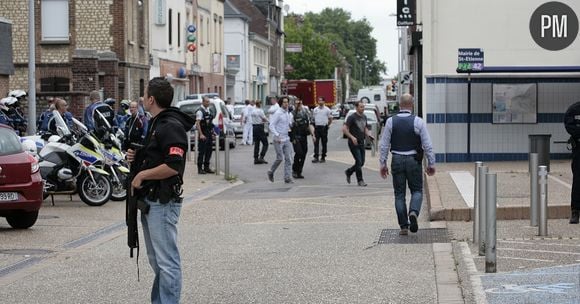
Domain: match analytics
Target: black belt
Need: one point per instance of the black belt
(321, 126)
(258, 124)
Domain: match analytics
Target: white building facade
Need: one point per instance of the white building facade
(236, 49)
(168, 37)
(259, 66)
(524, 88)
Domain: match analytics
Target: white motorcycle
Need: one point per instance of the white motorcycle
(70, 167)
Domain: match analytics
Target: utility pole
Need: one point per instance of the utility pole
(31, 70)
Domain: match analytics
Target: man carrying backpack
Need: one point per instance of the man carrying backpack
(572, 124)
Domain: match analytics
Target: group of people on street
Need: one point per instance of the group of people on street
(11, 112)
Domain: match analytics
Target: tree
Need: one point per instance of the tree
(351, 39)
(316, 60)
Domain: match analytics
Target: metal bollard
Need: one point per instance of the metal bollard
(196, 145)
(543, 225)
(482, 215)
(189, 146)
(475, 213)
(491, 235)
(217, 154)
(534, 191)
(227, 157)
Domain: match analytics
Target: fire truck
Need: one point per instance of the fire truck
(309, 91)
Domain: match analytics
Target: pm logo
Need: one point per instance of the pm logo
(554, 26)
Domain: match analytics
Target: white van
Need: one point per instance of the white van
(375, 95)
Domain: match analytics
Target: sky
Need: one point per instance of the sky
(375, 11)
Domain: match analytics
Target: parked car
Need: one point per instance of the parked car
(222, 117)
(372, 124)
(20, 182)
(237, 119)
(335, 112)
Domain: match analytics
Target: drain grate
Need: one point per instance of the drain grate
(423, 236)
(269, 190)
(24, 251)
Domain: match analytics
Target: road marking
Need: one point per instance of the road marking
(290, 220)
(464, 182)
(558, 288)
(540, 251)
(524, 259)
(559, 181)
(542, 244)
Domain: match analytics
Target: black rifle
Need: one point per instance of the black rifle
(132, 204)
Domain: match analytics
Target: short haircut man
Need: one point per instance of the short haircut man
(162, 91)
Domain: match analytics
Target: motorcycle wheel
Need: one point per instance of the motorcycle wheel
(95, 193)
(119, 189)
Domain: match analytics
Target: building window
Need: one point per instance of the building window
(54, 84)
(200, 34)
(170, 25)
(207, 32)
(178, 29)
(141, 25)
(54, 20)
(141, 87)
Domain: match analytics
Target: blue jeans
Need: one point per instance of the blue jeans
(358, 153)
(283, 151)
(160, 234)
(406, 170)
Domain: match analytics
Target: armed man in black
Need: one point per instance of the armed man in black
(204, 125)
(301, 128)
(160, 165)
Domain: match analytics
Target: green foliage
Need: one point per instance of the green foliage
(316, 60)
(319, 33)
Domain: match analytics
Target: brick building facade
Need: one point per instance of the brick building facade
(81, 46)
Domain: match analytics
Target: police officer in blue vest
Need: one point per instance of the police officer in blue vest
(204, 126)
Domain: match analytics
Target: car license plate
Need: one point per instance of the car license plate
(8, 196)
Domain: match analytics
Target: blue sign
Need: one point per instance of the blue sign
(470, 60)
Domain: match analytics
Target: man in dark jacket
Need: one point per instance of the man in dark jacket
(134, 127)
(301, 128)
(161, 164)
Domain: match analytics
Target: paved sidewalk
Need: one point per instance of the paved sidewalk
(449, 193)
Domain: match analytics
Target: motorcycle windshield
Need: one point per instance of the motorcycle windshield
(80, 125)
(103, 119)
(60, 124)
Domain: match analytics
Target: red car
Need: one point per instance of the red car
(20, 182)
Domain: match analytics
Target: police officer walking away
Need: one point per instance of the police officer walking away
(204, 125)
(322, 120)
(407, 138)
(161, 165)
(301, 128)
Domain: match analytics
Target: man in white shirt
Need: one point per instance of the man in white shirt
(280, 123)
(322, 120)
(274, 105)
(247, 137)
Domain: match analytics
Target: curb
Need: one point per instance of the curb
(438, 212)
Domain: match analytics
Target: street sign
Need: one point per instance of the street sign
(294, 47)
(406, 12)
(469, 60)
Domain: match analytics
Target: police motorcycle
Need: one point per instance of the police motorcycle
(70, 167)
(114, 159)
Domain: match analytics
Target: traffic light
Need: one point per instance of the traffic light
(191, 38)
